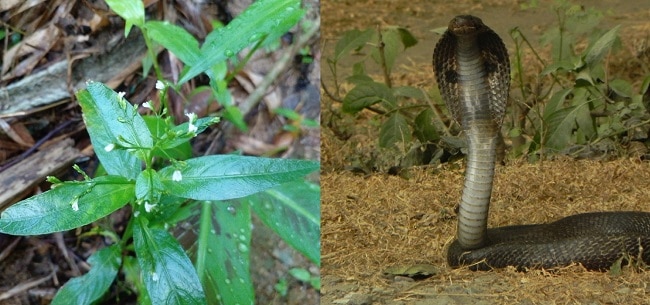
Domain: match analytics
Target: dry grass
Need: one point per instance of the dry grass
(370, 223)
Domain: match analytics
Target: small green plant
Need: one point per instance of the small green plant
(301, 275)
(259, 25)
(407, 116)
(584, 103)
(124, 141)
(148, 168)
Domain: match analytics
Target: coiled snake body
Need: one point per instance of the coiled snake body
(473, 75)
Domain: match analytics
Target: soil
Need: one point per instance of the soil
(375, 226)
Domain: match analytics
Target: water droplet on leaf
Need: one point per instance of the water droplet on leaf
(242, 247)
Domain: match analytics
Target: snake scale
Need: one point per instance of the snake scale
(473, 74)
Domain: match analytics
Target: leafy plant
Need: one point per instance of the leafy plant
(405, 111)
(585, 103)
(261, 24)
(158, 199)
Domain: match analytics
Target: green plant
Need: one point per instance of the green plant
(585, 102)
(147, 167)
(158, 199)
(299, 274)
(407, 116)
(259, 25)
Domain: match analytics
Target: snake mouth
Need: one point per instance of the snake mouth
(466, 24)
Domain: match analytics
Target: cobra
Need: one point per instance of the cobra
(473, 74)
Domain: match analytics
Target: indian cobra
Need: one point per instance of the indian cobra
(473, 75)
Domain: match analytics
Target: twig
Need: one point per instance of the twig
(40, 142)
(256, 96)
(24, 286)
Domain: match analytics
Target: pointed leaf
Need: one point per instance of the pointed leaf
(394, 130)
(262, 18)
(175, 39)
(367, 94)
(91, 286)
(223, 257)
(131, 11)
(560, 128)
(167, 272)
(54, 210)
(352, 40)
(424, 129)
(221, 177)
(292, 210)
(408, 40)
(111, 121)
(601, 46)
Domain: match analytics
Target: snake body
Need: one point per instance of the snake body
(473, 75)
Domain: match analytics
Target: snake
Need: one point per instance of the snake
(472, 70)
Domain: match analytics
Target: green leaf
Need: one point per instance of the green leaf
(394, 130)
(111, 120)
(91, 286)
(352, 40)
(159, 128)
(601, 47)
(556, 102)
(132, 11)
(176, 39)
(367, 94)
(424, 129)
(408, 40)
(262, 18)
(292, 210)
(234, 115)
(621, 87)
(181, 134)
(408, 91)
(392, 47)
(560, 128)
(223, 259)
(148, 186)
(54, 210)
(167, 272)
(221, 177)
(300, 274)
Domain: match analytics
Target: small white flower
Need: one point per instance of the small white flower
(109, 147)
(191, 116)
(148, 207)
(75, 204)
(177, 176)
(121, 94)
(191, 128)
(136, 214)
(160, 85)
(147, 105)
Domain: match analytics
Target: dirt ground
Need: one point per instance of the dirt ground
(376, 222)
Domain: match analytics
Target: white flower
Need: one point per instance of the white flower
(177, 176)
(75, 204)
(121, 94)
(160, 85)
(148, 207)
(191, 128)
(136, 214)
(109, 147)
(147, 105)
